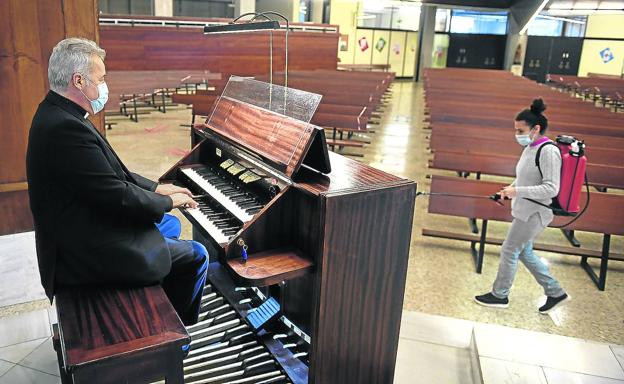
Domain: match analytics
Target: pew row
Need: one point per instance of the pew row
(602, 216)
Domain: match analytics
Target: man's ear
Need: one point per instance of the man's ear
(78, 80)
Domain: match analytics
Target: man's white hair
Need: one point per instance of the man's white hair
(69, 56)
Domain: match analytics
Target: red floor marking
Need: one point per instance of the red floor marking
(158, 128)
(177, 152)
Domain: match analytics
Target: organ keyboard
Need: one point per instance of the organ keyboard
(319, 298)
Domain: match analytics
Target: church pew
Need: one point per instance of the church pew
(601, 176)
(484, 145)
(603, 216)
(474, 130)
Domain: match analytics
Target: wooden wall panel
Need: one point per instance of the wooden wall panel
(160, 48)
(15, 210)
(28, 33)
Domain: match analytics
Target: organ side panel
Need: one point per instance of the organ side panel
(361, 281)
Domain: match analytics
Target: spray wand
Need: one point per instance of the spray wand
(495, 197)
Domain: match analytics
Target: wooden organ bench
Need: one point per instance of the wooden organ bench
(118, 335)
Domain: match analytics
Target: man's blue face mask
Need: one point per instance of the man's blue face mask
(98, 104)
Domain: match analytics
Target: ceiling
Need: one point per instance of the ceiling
(474, 3)
(584, 4)
(575, 5)
(582, 7)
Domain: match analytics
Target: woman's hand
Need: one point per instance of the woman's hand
(508, 192)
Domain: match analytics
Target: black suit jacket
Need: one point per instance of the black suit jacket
(94, 220)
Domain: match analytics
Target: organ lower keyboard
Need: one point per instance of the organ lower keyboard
(319, 299)
(226, 198)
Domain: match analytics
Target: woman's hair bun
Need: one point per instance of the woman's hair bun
(538, 106)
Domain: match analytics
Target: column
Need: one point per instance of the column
(163, 8)
(426, 33)
(244, 6)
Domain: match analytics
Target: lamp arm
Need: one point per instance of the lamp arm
(243, 15)
(263, 14)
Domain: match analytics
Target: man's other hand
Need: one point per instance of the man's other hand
(181, 200)
(170, 189)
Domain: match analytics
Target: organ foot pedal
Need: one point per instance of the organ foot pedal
(240, 338)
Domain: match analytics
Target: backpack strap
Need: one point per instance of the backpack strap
(539, 152)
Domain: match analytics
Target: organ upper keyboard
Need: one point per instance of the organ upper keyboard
(319, 299)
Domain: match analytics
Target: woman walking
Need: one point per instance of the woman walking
(529, 219)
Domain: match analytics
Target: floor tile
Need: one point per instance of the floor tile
(43, 358)
(16, 352)
(5, 366)
(52, 313)
(618, 351)
(24, 327)
(436, 329)
(495, 371)
(23, 375)
(559, 352)
(555, 376)
(20, 281)
(419, 362)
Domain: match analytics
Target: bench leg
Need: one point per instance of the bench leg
(473, 225)
(569, 234)
(472, 222)
(56, 342)
(175, 370)
(478, 255)
(600, 280)
(136, 112)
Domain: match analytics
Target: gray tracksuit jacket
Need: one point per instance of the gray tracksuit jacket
(530, 184)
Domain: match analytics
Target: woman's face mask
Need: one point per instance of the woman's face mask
(98, 104)
(526, 138)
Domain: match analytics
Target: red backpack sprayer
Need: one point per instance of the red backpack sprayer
(573, 176)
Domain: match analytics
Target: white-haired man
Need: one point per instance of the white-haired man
(96, 223)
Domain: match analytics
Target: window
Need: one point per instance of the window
(575, 27)
(127, 7)
(479, 22)
(545, 25)
(541, 26)
(443, 20)
(406, 17)
(305, 10)
(203, 8)
(392, 16)
(375, 15)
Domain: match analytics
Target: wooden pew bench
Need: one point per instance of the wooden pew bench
(124, 335)
(603, 216)
(599, 176)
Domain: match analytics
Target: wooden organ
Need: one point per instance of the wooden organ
(309, 253)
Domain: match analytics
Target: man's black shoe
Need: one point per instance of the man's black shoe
(554, 302)
(489, 300)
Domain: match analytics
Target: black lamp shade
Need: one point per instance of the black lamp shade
(242, 27)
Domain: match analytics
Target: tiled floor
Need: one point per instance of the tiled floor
(441, 278)
(18, 269)
(26, 352)
(437, 349)
(432, 349)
